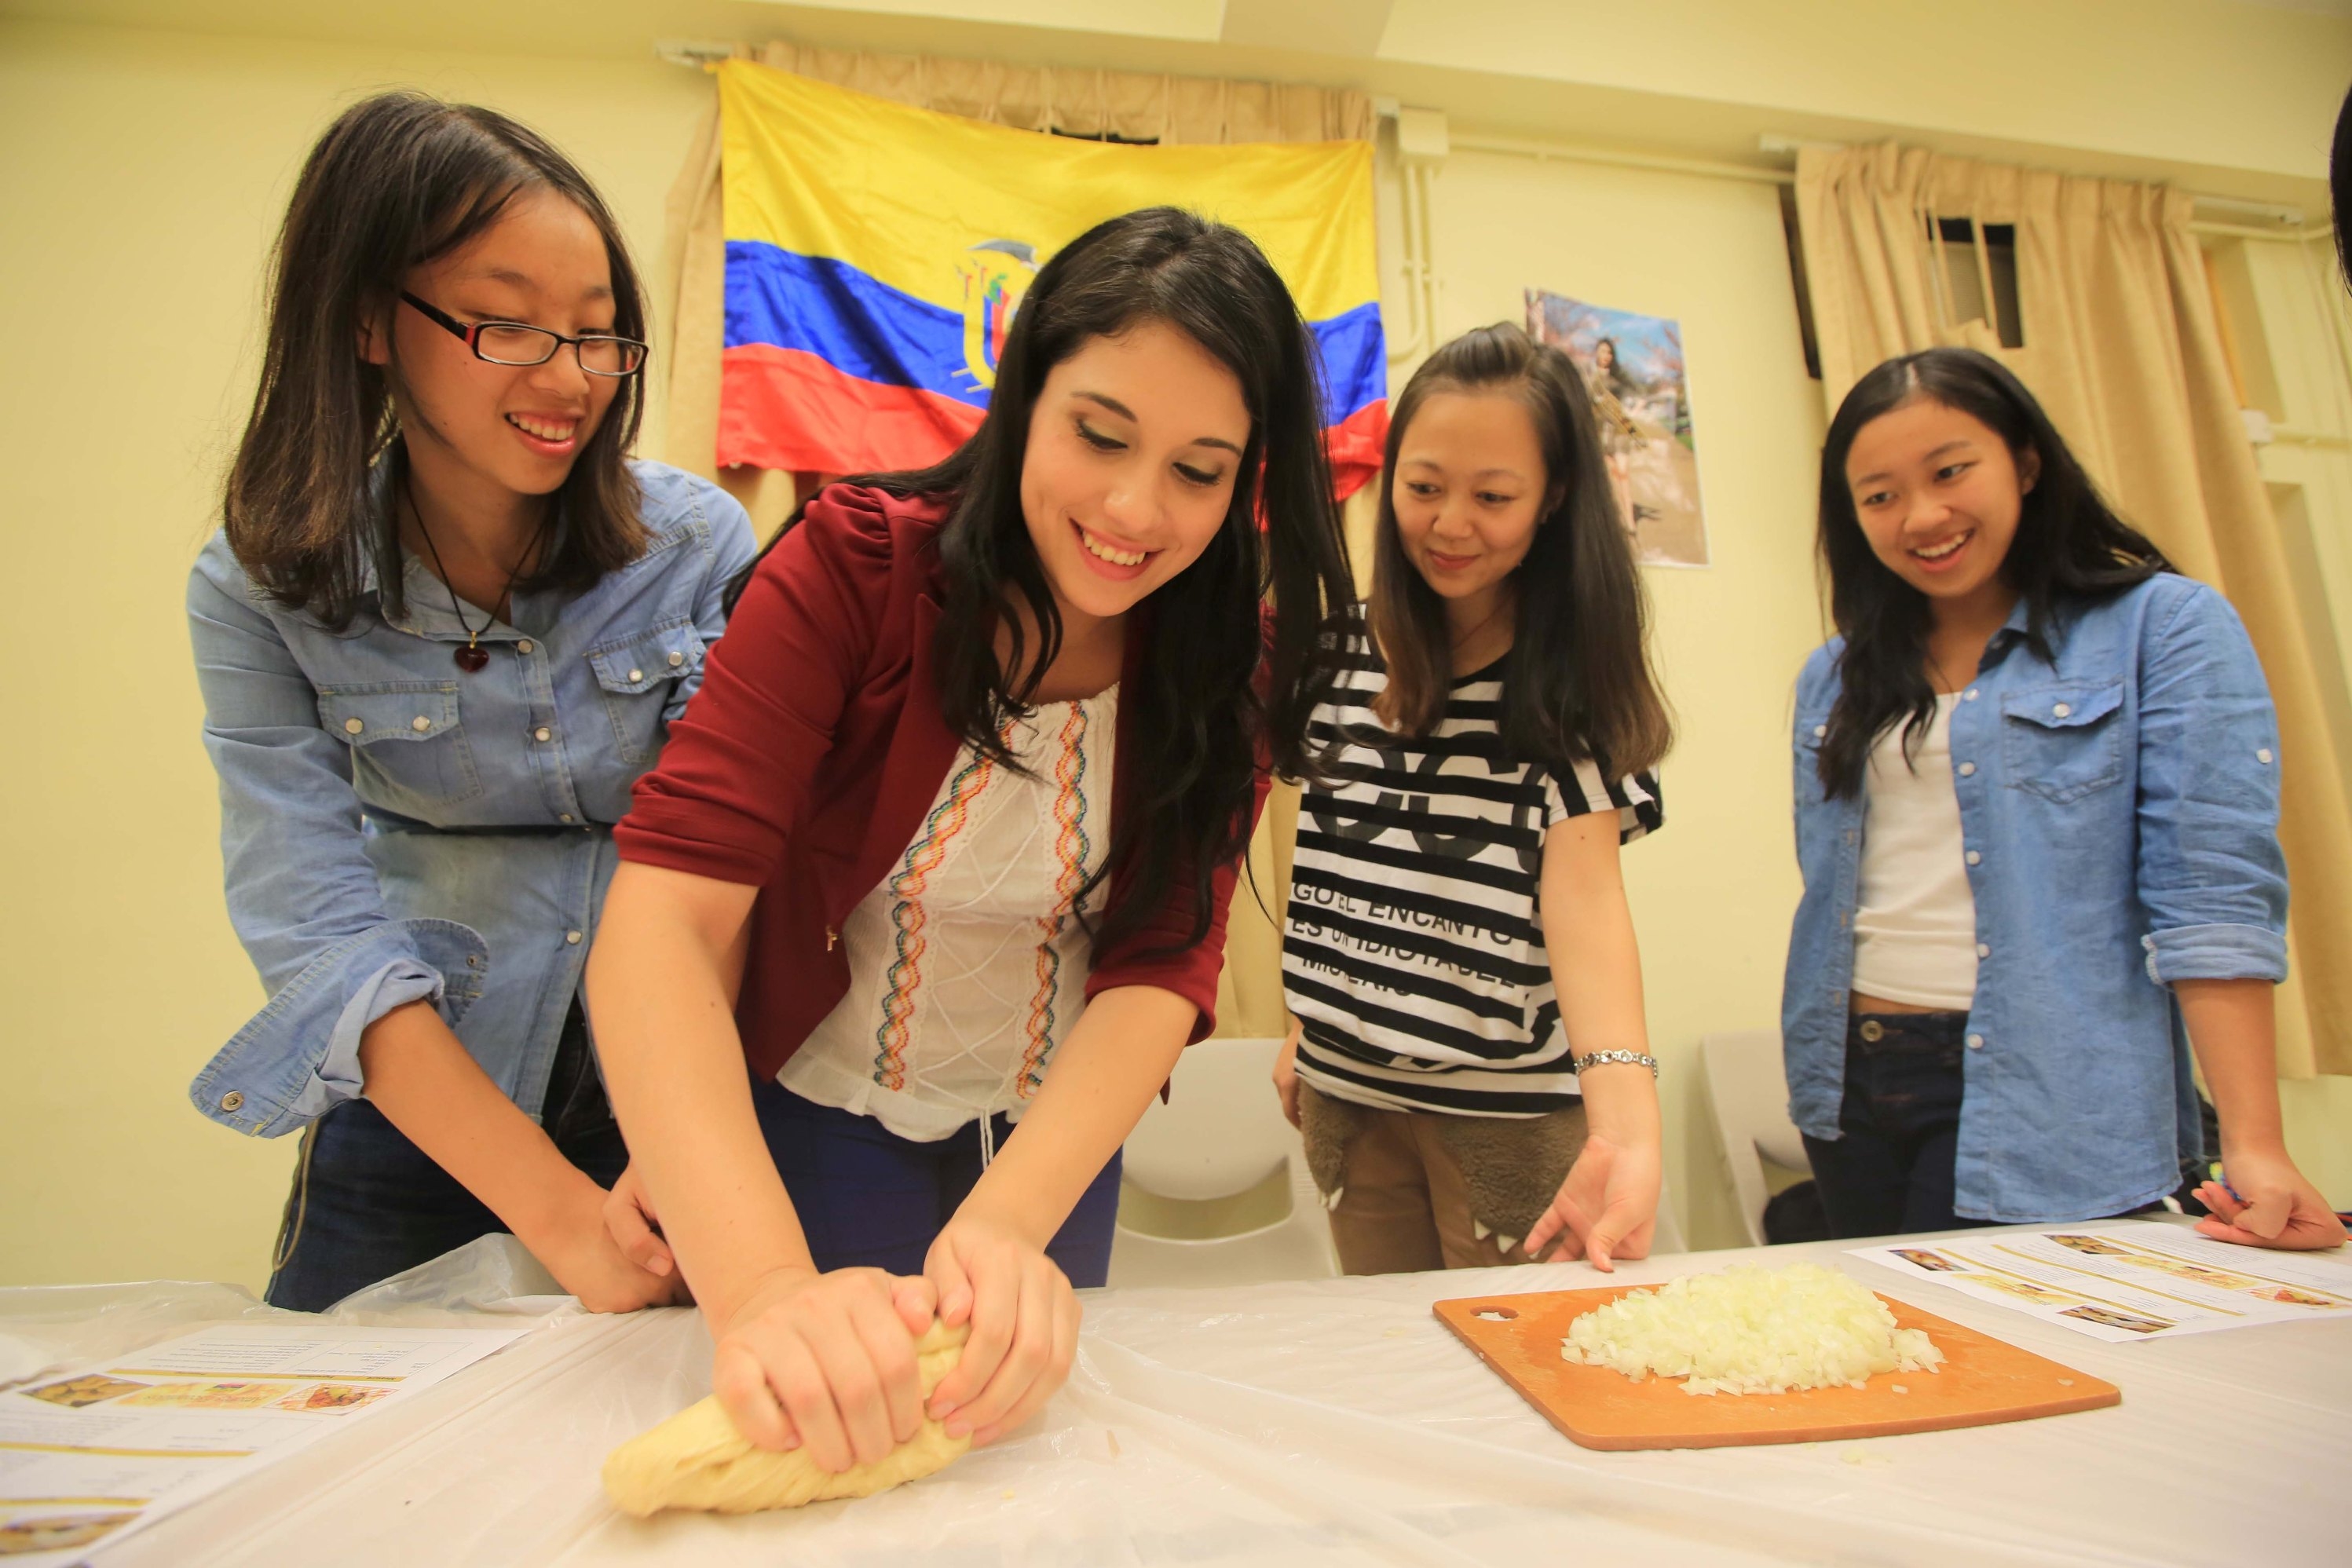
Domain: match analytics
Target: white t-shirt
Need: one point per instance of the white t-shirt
(967, 964)
(1914, 931)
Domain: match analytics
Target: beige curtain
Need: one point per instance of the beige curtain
(1030, 98)
(2121, 346)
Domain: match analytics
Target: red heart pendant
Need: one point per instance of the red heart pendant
(472, 657)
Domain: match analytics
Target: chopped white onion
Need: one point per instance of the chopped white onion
(1751, 1331)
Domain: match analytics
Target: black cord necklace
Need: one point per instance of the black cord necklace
(473, 656)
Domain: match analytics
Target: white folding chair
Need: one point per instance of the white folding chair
(1215, 1188)
(1750, 1095)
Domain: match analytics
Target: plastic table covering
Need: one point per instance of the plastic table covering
(1275, 1424)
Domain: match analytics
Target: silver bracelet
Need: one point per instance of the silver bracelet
(1612, 1058)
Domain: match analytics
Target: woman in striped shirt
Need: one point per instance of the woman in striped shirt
(1468, 1057)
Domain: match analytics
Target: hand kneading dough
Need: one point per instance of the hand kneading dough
(697, 1459)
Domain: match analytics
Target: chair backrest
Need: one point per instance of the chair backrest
(1750, 1090)
(1221, 1131)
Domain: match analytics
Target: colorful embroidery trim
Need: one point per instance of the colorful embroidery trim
(1070, 848)
(923, 857)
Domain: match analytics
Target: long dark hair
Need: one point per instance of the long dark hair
(397, 180)
(2070, 549)
(2339, 184)
(1576, 682)
(1224, 680)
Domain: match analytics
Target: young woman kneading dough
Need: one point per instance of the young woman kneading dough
(945, 847)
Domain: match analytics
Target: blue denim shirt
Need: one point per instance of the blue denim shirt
(394, 828)
(2119, 809)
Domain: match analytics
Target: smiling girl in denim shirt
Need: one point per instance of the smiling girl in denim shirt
(2037, 799)
(445, 628)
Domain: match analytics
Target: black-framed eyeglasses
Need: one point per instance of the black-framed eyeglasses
(513, 343)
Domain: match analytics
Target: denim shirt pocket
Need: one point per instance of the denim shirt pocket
(2062, 742)
(408, 746)
(635, 676)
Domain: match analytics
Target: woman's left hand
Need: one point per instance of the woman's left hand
(1024, 1328)
(1608, 1207)
(2273, 1206)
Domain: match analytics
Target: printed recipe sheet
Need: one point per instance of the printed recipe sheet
(90, 1454)
(2128, 1282)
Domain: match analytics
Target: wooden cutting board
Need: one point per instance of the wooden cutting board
(1982, 1381)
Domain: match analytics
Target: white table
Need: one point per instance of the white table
(1337, 1421)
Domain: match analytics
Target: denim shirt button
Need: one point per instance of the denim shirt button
(353, 725)
(420, 723)
(2263, 756)
(635, 675)
(1983, 950)
(1974, 858)
(1976, 1043)
(2060, 710)
(676, 659)
(573, 937)
(565, 819)
(543, 733)
(1968, 695)
(1820, 730)
(1967, 769)
(523, 646)
(233, 1101)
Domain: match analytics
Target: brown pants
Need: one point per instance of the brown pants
(1410, 1191)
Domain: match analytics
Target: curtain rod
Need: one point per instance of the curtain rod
(695, 52)
(1667, 163)
(2286, 217)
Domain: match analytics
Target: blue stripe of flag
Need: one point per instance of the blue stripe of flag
(865, 329)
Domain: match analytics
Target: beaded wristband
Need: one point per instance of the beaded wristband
(1612, 1058)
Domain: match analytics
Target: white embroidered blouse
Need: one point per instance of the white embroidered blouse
(967, 964)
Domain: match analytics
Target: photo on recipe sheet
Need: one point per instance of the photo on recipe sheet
(2128, 1282)
(1633, 367)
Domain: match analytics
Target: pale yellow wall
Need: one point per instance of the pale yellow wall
(143, 177)
(145, 173)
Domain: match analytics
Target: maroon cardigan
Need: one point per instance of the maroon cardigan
(806, 764)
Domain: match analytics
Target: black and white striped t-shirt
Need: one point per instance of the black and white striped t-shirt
(1414, 953)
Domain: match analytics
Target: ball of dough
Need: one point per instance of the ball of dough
(697, 1459)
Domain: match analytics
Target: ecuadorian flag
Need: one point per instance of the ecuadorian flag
(875, 255)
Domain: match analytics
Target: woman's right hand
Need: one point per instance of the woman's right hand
(577, 1247)
(825, 1362)
(1285, 1071)
(635, 1228)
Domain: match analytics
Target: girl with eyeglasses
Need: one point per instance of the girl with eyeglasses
(446, 624)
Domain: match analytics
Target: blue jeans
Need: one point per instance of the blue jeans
(1891, 1173)
(368, 1204)
(867, 1197)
